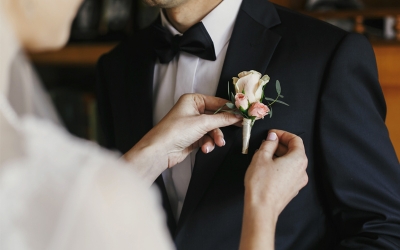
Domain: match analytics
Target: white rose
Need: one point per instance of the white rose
(252, 84)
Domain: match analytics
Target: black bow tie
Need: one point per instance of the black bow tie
(195, 40)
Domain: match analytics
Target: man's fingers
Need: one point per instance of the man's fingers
(269, 146)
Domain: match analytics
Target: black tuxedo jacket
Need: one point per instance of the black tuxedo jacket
(329, 78)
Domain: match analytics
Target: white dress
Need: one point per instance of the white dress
(60, 192)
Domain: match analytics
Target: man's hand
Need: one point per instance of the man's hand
(190, 124)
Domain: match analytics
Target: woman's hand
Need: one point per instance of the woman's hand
(275, 176)
(278, 170)
(190, 124)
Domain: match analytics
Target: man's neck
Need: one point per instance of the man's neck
(189, 13)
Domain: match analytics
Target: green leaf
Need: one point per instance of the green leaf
(242, 110)
(281, 96)
(278, 87)
(269, 99)
(284, 103)
(263, 93)
(216, 112)
(232, 97)
(230, 105)
(270, 112)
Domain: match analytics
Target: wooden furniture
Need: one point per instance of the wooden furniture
(388, 60)
(75, 55)
(387, 52)
(359, 16)
(387, 56)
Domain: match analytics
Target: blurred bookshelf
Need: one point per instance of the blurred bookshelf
(101, 24)
(379, 20)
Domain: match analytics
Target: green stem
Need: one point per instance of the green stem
(274, 101)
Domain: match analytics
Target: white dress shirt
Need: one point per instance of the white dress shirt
(187, 73)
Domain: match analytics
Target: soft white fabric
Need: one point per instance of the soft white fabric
(18, 80)
(187, 73)
(60, 192)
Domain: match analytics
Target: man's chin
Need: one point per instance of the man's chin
(164, 4)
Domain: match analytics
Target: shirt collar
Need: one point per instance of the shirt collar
(224, 15)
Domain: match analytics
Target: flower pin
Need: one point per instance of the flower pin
(248, 101)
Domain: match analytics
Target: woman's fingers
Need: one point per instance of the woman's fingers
(218, 137)
(207, 144)
(211, 122)
(269, 146)
(291, 141)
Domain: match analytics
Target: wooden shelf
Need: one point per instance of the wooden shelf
(359, 16)
(86, 55)
(388, 61)
(367, 13)
(73, 55)
(387, 56)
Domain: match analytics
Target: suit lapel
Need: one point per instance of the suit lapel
(139, 85)
(140, 75)
(250, 48)
(252, 43)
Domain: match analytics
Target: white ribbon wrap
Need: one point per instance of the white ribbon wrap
(246, 130)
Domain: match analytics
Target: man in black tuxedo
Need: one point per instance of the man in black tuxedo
(328, 77)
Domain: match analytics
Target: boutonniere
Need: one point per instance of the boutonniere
(248, 101)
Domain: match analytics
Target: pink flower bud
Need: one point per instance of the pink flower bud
(259, 110)
(241, 101)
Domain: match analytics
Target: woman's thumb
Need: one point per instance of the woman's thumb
(269, 146)
(219, 120)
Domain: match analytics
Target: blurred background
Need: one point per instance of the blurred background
(69, 74)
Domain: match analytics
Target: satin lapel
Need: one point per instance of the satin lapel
(250, 48)
(140, 94)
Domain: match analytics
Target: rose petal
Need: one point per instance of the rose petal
(241, 101)
(250, 86)
(237, 89)
(243, 74)
(259, 91)
(259, 110)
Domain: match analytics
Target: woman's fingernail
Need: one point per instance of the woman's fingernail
(223, 140)
(272, 136)
(238, 116)
(207, 150)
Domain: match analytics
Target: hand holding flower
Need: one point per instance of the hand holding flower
(186, 127)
